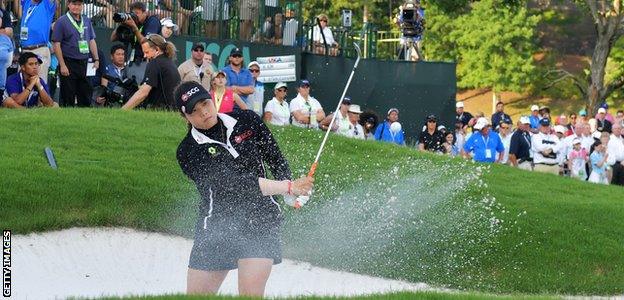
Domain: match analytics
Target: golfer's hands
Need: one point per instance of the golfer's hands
(302, 186)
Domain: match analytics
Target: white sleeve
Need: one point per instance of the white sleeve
(317, 104)
(612, 151)
(270, 107)
(557, 146)
(294, 105)
(536, 143)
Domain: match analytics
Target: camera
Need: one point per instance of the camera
(120, 17)
(411, 22)
(120, 94)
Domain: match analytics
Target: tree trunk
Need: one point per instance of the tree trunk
(596, 91)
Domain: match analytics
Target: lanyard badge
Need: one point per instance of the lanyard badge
(83, 46)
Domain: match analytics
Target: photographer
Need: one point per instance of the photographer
(116, 69)
(161, 75)
(139, 23)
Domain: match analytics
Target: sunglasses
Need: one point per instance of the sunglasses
(254, 70)
(237, 56)
(198, 50)
(150, 37)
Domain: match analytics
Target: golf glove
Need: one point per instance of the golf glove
(296, 202)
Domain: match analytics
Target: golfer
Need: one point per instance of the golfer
(239, 221)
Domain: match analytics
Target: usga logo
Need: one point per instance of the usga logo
(190, 93)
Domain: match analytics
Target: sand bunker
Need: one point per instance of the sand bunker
(92, 262)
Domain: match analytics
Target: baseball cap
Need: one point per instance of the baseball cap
(197, 46)
(544, 122)
(576, 141)
(534, 107)
(432, 117)
(605, 105)
(560, 129)
(236, 51)
(304, 82)
(354, 108)
(188, 94)
(280, 85)
(220, 72)
(481, 123)
(346, 100)
(23, 58)
(544, 107)
(169, 23)
(582, 112)
(602, 110)
(253, 63)
(525, 120)
(393, 109)
(459, 104)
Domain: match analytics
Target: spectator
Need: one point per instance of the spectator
(504, 133)
(355, 129)
(341, 124)
(500, 116)
(615, 148)
(461, 115)
(583, 116)
(277, 111)
(450, 147)
(572, 124)
(168, 28)
(239, 79)
(25, 89)
(577, 160)
(520, 146)
(306, 110)
(534, 118)
(224, 97)
(598, 159)
(255, 100)
(208, 59)
(431, 139)
(384, 131)
(6, 47)
(161, 75)
(248, 13)
(607, 115)
(369, 120)
(602, 124)
(74, 38)
(484, 144)
(545, 147)
(116, 69)
(563, 121)
(36, 17)
(323, 36)
(619, 117)
(194, 69)
(147, 25)
(167, 8)
(560, 132)
(544, 112)
(460, 134)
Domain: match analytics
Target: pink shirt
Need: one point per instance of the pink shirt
(227, 103)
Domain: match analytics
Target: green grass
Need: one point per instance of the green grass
(377, 209)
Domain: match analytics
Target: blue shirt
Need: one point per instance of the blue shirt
(38, 21)
(151, 25)
(65, 33)
(383, 133)
(242, 78)
(14, 85)
(113, 71)
(478, 144)
(534, 121)
(595, 158)
(499, 117)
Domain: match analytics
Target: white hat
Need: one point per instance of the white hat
(525, 120)
(576, 141)
(354, 108)
(393, 109)
(534, 107)
(602, 110)
(253, 63)
(560, 129)
(280, 85)
(481, 122)
(597, 134)
(459, 104)
(167, 22)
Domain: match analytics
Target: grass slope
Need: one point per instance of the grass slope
(378, 209)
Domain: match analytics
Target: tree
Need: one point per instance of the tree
(493, 42)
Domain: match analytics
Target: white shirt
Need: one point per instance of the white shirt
(615, 149)
(308, 108)
(281, 113)
(356, 132)
(318, 38)
(506, 143)
(541, 142)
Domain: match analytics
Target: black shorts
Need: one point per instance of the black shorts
(224, 241)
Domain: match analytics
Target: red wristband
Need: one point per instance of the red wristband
(289, 187)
